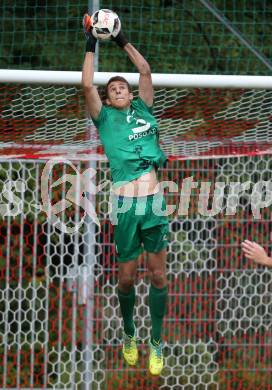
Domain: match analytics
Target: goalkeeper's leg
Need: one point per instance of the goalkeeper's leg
(129, 248)
(126, 296)
(157, 303)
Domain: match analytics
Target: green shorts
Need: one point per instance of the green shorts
(140, 226)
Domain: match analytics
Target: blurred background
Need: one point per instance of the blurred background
(176, 36)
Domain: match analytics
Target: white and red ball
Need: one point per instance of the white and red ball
(106, 24)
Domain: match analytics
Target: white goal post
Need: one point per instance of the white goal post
(159, 79)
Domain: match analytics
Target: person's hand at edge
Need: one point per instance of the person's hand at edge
(256, 252)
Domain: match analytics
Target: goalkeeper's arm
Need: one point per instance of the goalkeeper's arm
(145, 81)
(93, 101)
(256, 252)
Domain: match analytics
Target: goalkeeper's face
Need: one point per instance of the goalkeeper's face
(118, 95)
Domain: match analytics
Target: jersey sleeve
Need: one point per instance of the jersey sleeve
(101, 117)
(144, 106)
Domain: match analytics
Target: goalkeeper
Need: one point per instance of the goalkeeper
(129, 134)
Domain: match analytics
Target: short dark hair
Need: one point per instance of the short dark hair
(117, 78)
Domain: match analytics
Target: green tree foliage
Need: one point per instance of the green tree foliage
(176, 36)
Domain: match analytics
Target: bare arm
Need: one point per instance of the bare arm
(256, 252)
(145, 80)
(92, 98)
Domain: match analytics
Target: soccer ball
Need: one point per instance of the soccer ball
(105, 23)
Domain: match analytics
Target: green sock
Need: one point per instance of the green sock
(157, 306)
(127, 301)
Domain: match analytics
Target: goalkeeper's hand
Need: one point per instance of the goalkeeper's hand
(87, 29)
(120, 39)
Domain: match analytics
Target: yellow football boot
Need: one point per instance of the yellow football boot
(130, 350)
(155, 358)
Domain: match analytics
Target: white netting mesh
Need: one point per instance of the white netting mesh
(45, 121)
(60, 323)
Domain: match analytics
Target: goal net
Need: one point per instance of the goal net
(41, 121)
(60, 324)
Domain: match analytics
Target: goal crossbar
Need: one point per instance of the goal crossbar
(159, 79)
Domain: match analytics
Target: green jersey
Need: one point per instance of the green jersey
(130, 139)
